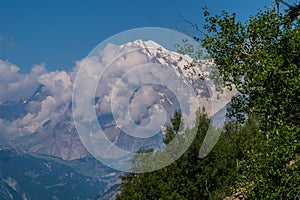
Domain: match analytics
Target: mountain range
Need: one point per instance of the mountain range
(42, 156)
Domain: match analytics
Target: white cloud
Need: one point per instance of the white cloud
(144, 97)
(126, 86)
(54, 106)
(124, 68)
(59, 84)
(14, 85)
(116, 62)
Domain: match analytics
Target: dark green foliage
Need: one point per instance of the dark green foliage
(190, 177)
(261, 59)
(172, 130)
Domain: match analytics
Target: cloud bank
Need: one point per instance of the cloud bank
(138, 95)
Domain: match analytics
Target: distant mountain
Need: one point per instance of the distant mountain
(57, 135)
(54, 163)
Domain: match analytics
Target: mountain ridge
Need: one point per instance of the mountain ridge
(59, 138)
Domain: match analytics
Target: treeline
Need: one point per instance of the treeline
(189, 177)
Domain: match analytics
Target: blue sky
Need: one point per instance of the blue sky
(58, 33)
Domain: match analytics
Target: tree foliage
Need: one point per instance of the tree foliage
(190, 177)
(261, 59)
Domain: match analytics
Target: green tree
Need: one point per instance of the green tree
(189, 177)
(172, 130)
(261, 59)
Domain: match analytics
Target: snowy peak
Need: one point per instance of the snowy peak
(191, 69)
(181, 63)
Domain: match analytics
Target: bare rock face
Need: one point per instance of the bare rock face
(59, 140)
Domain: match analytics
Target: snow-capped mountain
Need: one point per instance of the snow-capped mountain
(36, 118)
(42, 123)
